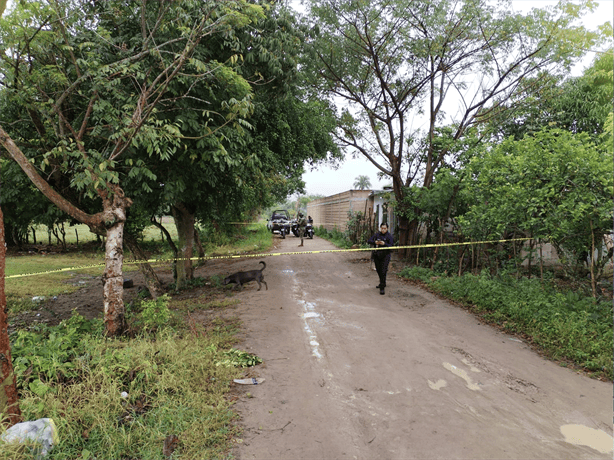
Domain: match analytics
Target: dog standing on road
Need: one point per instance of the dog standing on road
(241, 278)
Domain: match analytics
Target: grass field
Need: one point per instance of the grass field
(50, 281)
(81, 233)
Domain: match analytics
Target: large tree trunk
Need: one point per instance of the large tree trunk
(154, 285)
(113, 281)
(9, 403)
(184, 221)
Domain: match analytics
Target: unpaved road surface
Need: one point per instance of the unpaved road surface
(351, 374)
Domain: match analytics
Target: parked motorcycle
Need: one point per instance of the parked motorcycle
(308, 230)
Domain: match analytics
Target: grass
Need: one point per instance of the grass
(567, 326)
(177, 383)
(48, 284)
(177, 373)
(19, 291)
(335, 236)
(252, 238)
(82, 233)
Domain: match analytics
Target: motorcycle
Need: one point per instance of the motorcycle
(308, 230)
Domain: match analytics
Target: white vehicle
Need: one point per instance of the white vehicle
(279, 222)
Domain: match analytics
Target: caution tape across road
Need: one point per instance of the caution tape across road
(268, 254)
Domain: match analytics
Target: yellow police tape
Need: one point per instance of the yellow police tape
(154, 261)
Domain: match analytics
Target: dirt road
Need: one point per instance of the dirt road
(351, 374)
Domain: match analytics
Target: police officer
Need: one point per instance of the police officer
(382, 239)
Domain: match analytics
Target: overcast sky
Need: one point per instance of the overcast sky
(328, 181)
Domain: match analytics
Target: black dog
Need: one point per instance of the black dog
(240, 278)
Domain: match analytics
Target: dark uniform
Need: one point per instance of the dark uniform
(381, 257)
(302, 223)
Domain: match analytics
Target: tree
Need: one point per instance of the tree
(554, 186)
(395, 64)
(9, 403)
(362, 183)
(243, 166)
(87, 78)
(578, 104)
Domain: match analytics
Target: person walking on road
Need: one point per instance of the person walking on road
(382, 239)
(302, 223)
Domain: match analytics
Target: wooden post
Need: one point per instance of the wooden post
(460, 263)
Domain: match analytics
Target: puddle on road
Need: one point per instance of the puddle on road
(463, 375)
(309, 316)
(581, 435)
(438, 385)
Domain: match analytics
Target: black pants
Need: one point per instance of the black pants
(381, 265)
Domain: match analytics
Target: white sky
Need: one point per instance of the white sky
(327, 181)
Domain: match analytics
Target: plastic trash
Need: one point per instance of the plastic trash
(38, 298)
(42, 431)
(252, 381)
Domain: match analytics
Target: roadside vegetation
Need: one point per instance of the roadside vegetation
(164, 388)
(335, 236)
(567, 325)
(357, 231)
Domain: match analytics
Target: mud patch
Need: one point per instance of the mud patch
(512, 382)
(438, 385)
(463, 375)
(410, 301)
(581, 435)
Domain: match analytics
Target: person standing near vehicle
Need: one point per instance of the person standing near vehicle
(302, 223)
(382, 239)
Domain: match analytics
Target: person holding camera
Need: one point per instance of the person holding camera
(382, 239)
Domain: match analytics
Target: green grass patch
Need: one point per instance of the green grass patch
(247, 239)
(83, 235)
(335, 236)
(176, 373)
(20, 291)
(121, 398)
(48, 284)
(565, 324)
